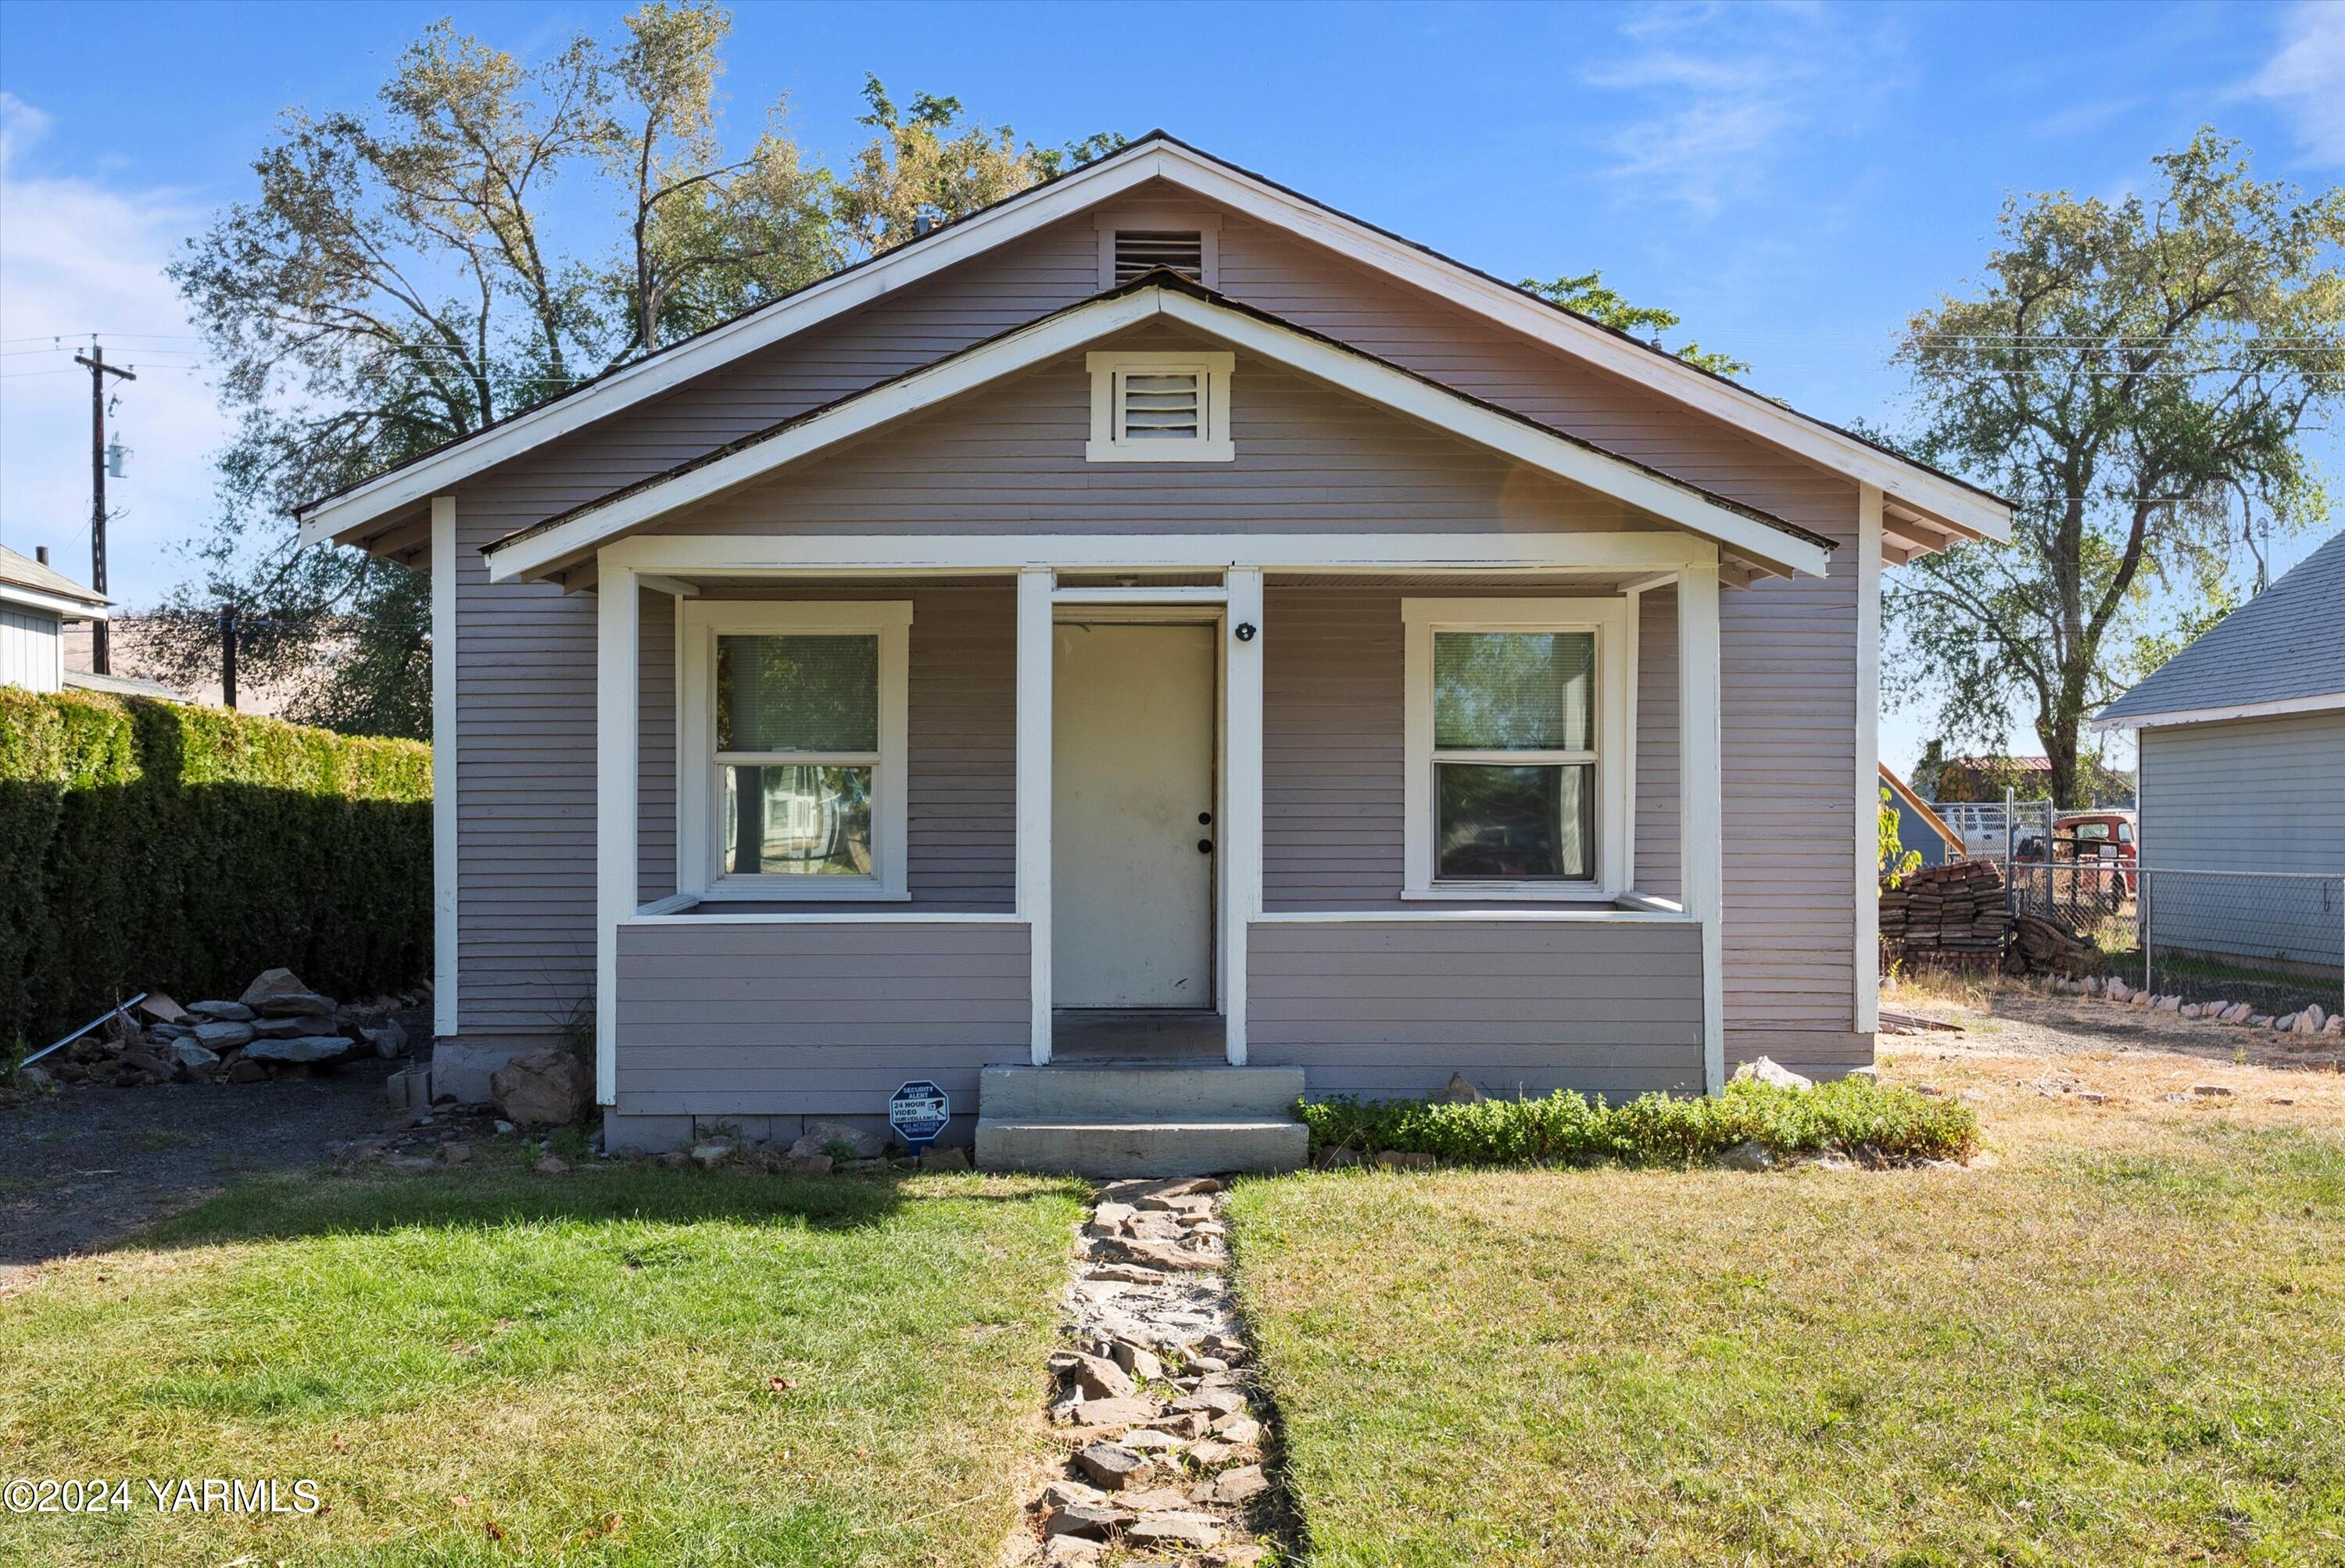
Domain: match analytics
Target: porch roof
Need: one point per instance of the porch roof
(1771, 544)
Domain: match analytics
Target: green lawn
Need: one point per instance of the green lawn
(2121, 1342)
(503, 1368)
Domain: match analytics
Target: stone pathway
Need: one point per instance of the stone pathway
(1162, 1422)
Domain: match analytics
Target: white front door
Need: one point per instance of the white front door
(1131, 835)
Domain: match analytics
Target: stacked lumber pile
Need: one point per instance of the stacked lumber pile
(1952, 912)
(2048, 947)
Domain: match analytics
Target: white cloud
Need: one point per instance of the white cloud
(2307, 78)
(79, 254)
(1722, 90)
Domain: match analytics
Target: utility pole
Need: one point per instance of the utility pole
(101, 655)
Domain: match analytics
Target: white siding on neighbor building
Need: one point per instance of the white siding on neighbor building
(31, 649)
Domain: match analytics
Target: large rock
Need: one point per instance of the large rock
(541, 1088)
(225, 1011)
(820, 1136)
(288, 1026)
(389, 1038)
(300, 1048)
(1462, 1092)
(279, 994)
(1767, 1070)
(223, 1036)
(192, 1056)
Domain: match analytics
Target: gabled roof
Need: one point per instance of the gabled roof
(1925, 509)
(24, 580)
(2283, 651)
(1773, 544)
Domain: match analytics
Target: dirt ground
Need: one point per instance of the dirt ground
(2020, 1046)
(87, 1163)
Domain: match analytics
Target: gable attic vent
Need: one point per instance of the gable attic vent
(1160, 405)
(1138, 250)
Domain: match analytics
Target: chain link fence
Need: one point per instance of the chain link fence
(2274, 940)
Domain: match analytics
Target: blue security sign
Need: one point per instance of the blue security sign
(918, 1112)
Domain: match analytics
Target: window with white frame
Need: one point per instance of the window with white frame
(1515, 732)
(794, 750)
(1160, 406)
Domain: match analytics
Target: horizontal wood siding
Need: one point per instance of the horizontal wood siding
(1008, 459)
(1387, 1009)
(722, 1018)
(526, 652)
(1658, 851)
(656, 743)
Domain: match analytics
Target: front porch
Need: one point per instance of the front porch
(1006, 878)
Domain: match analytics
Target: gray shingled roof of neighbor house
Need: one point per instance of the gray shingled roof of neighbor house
(2287, 642)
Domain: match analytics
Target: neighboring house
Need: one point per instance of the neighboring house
(1920, 829)
(2241, 737)
(36, 605)
(1157, 615)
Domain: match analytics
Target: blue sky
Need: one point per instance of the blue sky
(1793, 179)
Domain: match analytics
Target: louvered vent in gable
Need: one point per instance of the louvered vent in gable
(1138, 250)
(1160, 405)
(1136, 240)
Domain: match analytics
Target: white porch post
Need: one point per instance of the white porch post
(1035, 631)
(1241, 825)
(444, 766)
(616, 657)
(1700, 801)
(1868, 759)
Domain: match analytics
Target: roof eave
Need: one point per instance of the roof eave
(1964, 509)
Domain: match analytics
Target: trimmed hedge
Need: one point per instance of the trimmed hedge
(150, 846)
(1565, 1129)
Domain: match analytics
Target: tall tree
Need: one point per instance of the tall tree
(2134, 375)
(405, 277)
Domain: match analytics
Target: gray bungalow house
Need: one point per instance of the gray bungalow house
(1142, 651)
(2241, 773)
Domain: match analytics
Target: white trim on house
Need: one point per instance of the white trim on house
(1942, 499)
(446, 866)
(699, 776)
(63, 607)
(618, 656)
(953, 553)
(1160, 221)
(535, 553)
(1607, 618)
(1701, 803)
(1868, 759)
(2325, 702)
(1240, 831)
(670, 912)
(1110, 371)
(1593, 914)
(1037, 632)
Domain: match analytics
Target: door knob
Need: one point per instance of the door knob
(1205, 846)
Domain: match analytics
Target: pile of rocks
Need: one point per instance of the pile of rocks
(279, 1028)
(1162, 1422)
(1953, 912)
(2313, 1020)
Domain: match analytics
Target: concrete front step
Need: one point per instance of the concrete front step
(1198, 1147)
(1147, 1092)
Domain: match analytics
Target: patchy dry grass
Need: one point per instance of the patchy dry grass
(636, 1366)
(2116, 1339)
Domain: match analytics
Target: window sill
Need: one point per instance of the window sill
(1512, 892)
(797, 890)
(1188, 452)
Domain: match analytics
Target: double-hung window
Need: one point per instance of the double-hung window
(793, 783)
(1516, 738)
